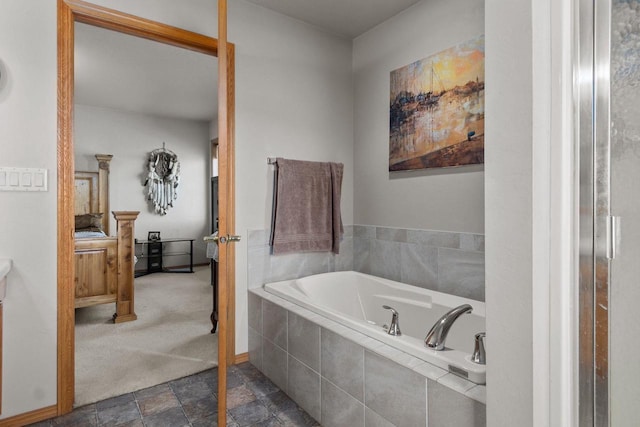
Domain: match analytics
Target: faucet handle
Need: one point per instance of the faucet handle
(479, 352)
(394, 328)
(393, 310)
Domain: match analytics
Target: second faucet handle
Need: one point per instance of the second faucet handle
(479, 352)
(394, 328)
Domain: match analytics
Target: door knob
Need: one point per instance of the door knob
(222, 239)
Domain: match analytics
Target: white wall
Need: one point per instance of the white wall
(28, 220)
(292, 80)
(130, 137)
(509, 193)
(445, 199)
(294, 99)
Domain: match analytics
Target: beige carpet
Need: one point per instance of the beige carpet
(170, 339)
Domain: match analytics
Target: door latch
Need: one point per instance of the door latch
(613, 226)
(222, 239)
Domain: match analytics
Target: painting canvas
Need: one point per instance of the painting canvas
(437, 110)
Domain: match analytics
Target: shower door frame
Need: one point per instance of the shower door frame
(596, 244)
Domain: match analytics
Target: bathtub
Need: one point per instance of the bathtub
(356, 299)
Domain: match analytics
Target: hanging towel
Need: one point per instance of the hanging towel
(306, 214)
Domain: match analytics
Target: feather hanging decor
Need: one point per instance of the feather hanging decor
(162, 179)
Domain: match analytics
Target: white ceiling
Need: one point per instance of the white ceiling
(128, 73)
(122, 72)
(348, 18)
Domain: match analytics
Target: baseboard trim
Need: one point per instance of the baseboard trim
(241, 358)
(30, 417)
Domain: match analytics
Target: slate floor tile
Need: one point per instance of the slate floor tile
(202, 408)
(81, 417)
(173, 417)
(115, 401)
(296, 418)
(210, 377)
(252, 400)
(121, 414)
(239, 396)
(158, 403)
(134, 423)
(192, 390)
(250, 372)
(262, 386)
(151, 391)
(250, 413)
(269, 422)
(278, 402)
(234, 379)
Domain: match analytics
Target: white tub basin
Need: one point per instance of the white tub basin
(5, 267)
(356, 300)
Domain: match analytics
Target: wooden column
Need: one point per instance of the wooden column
(124, 303)
(224, 174)
(104, 161)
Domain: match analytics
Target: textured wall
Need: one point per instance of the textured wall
(293, 99)
(508, 196)
(28, 220)
(438, 199)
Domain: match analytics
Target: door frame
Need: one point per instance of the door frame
(69, 12)
(596, 233)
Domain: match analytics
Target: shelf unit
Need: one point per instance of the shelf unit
(154, 252)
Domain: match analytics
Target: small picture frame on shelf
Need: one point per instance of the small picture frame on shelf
(153, 236)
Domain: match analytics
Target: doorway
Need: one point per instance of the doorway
(69, 12)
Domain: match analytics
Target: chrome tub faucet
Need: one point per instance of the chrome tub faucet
(437, 336)
(394, 328)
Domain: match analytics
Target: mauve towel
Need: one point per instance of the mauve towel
(307, 207)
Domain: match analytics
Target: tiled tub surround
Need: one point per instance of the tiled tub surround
(442, 261)
(357, 300)
(342, 377)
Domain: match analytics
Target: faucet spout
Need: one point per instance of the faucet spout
(437, 335)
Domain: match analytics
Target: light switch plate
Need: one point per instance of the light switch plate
(23, 179)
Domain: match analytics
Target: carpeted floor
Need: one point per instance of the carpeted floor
(170, 339)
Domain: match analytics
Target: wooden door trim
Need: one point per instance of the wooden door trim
(69, 12)
(226, 222)
(102, 17)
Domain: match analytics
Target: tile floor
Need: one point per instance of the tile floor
(252, 400)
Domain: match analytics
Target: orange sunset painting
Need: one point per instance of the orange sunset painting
(436, 116)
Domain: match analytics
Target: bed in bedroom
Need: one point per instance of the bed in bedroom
(104, 264)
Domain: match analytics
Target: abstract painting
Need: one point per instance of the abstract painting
(436, 116)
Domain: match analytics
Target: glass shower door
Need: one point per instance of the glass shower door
(609, 132)
(624, 271)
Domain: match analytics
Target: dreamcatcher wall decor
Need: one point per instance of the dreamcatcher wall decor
(162, 179)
